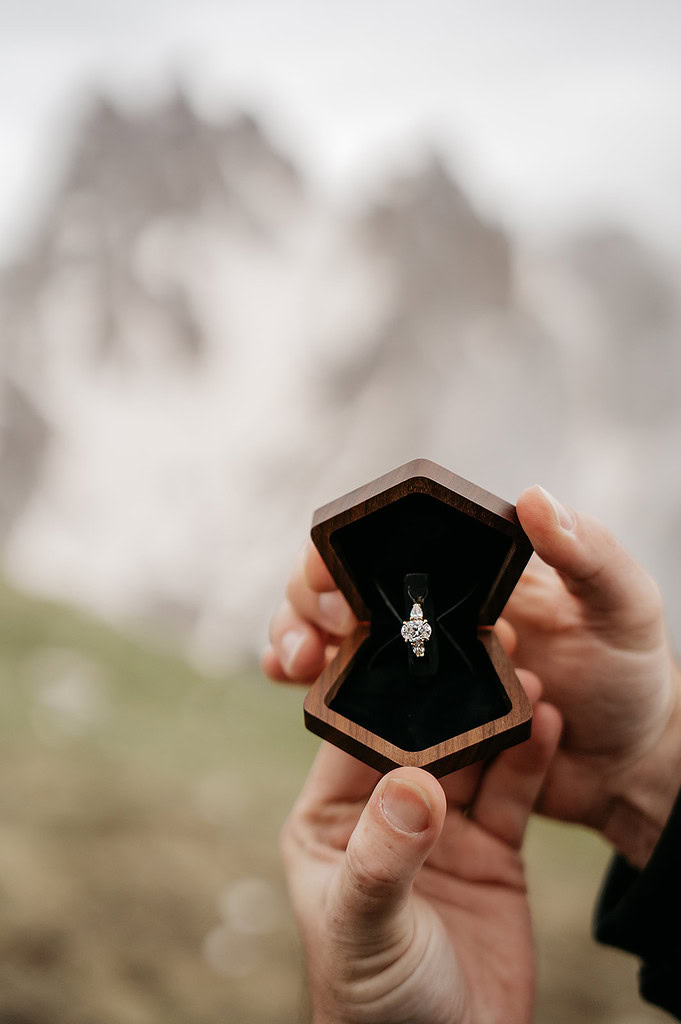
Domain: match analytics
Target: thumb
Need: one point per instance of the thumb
(368, 904)
(591, 562)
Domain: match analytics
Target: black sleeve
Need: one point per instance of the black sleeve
(640, 912)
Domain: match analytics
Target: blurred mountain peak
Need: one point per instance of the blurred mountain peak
(429, 184)
(198, 350)
(448, 251)
(128, 168)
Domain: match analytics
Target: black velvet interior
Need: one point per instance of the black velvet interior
(462, 556)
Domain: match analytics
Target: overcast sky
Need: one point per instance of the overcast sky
(552, 110)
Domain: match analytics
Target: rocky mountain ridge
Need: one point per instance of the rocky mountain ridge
(198, 350)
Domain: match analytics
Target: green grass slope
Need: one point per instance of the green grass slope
(140, 807)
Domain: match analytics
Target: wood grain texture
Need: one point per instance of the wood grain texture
(440, 759)
(420, 477)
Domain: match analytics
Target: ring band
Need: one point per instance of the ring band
(416, 630)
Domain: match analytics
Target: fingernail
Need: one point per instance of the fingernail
(291, 642)
(334, 611)
(406, 806)
(565, 518)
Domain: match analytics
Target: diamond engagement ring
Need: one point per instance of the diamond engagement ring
(416, 630)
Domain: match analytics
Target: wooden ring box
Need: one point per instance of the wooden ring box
(420, 518)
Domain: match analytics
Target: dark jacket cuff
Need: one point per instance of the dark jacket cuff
(640, 912)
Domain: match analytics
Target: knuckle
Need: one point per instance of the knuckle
(654, 598)
(278, 621)
(369, 877)
(272, 632)
(285, 838)
(290, 837)
(290, 589)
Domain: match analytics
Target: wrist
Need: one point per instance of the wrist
(645, 792)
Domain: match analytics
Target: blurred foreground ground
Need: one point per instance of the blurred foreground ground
(139, 872)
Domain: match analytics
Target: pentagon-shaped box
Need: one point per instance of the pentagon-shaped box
(421, 533)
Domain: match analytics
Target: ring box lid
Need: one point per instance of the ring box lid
(421, 514)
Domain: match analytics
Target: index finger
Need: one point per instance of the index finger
(337, 777)
(314, 594)
(316, 573)
(592, 564)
